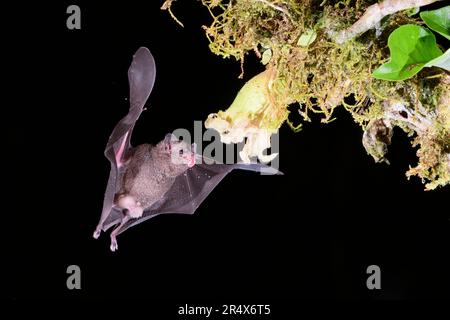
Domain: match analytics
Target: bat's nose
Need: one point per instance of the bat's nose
(191, 160)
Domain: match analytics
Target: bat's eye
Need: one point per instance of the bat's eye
(226, 132)
(180, 152)
(213, 116)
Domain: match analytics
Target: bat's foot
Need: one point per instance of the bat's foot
(114, 246)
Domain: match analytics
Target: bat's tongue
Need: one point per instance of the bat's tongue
(191, 162)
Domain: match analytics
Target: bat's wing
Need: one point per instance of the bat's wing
(141, 77)
(191, 189)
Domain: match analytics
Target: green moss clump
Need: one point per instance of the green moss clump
(320, 75)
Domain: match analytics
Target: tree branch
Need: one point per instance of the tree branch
(375, 13)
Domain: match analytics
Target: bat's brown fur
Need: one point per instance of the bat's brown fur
(149, 173)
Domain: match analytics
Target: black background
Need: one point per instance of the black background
(308, 234)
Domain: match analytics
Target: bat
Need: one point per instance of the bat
(147, 180)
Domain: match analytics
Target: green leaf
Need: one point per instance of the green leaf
(441, 61)
(438, 20)
(411, 47)
(307, 38)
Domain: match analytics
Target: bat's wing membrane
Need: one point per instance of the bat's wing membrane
(191, 189)
(141, 77)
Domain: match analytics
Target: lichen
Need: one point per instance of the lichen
(322, 75)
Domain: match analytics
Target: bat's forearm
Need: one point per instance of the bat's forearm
(375, 13)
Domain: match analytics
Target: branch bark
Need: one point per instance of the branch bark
(373, 15)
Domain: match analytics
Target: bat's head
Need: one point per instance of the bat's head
(181, 153)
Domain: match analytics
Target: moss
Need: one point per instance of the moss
(323, 75)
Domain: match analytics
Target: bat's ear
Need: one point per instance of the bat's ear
(169, 138)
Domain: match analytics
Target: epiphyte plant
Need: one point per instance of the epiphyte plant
(374, 59)
(413, 47)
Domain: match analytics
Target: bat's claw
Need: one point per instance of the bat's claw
(114, 246)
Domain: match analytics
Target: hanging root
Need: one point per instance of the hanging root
(424, 112)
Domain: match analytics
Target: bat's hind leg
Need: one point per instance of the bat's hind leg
(114, 246)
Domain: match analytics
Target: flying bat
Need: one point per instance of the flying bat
(148, 180)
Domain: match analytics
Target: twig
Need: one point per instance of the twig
(397, 111)
(166, 6)
(274, 6)
(373, 15)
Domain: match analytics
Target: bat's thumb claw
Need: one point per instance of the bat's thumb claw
(97, 233)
